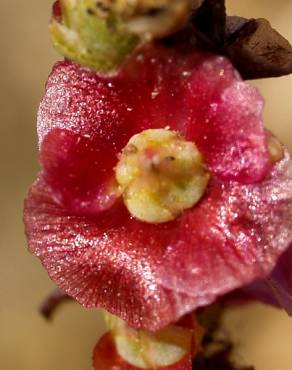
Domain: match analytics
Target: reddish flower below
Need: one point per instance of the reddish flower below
(105, 357)
(150, 275)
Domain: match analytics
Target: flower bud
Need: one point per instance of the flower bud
(100, 43)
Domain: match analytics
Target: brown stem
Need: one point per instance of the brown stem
(52, 303)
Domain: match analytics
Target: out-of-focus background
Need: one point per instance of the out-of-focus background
(27, 342)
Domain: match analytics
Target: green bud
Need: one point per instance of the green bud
(85, 36)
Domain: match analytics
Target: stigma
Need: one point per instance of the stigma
(160, 175)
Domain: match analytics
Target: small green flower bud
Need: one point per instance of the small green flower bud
(100, 43)
(101, 34)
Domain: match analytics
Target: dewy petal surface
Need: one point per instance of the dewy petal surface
(150, 275)
(234, 226)
(77, 169)
(226, 122)
(200, 95)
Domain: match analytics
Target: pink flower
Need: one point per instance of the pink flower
(152, 274)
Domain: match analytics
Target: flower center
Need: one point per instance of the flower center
(160, 175)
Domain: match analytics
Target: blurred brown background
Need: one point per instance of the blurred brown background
(27, 342)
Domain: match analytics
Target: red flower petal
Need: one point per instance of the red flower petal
(105, 357)
(75, 167)
(229, 130)
(198, 94)
(150, 275)
(80, 126)
(237, 230)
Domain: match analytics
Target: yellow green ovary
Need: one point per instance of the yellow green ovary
(160, 175)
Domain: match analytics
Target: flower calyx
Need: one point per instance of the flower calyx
(160, 175)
